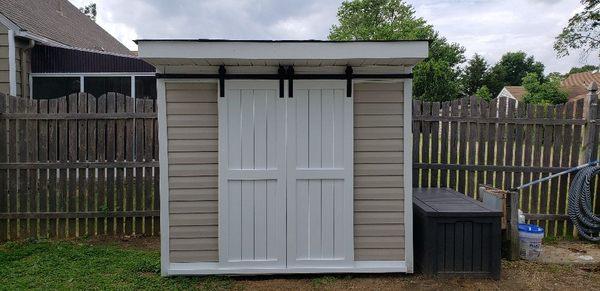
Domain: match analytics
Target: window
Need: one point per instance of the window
(145, 87)
(102, 85)
(54, 87)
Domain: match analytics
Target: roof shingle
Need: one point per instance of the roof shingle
(62, 22)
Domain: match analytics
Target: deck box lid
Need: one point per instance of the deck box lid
(447, 202)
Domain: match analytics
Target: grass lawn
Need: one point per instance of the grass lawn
(132, 265)
(81, 265)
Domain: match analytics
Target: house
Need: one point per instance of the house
(285, 156)
(48, 49)
(513, 92)
(577, 84)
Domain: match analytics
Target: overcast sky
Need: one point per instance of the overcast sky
(488, 27)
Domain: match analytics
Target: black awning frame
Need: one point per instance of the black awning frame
(285, 72)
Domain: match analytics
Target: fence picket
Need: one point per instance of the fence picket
(3, 172)
(22, 175)
(12, 173)
(129, 156)
(32, 156)
(72, 173)
(474, 111)
(120, 156)
(92, 174)
(52, 173)
(139, 172)
(82, 149)
(102, 202)
(454, 112)
(110, 157)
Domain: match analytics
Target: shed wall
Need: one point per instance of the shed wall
(378, 172)
(193, 154)
(192, 131)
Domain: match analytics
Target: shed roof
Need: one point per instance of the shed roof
(210, 52)
(61, 22)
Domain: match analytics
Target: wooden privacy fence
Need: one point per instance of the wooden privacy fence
(78, 166)
(467, 142)
(82, 166)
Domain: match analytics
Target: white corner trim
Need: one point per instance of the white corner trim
(164, 176)
(408, 189)
(12, 63)
(282, 50)
(357, 267)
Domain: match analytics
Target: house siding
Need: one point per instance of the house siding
(192, 131)
(193, 155)
(378, 172)
(4, 66)
(23, 64)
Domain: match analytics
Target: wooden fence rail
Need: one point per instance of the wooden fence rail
(464, 143)
(78, 166)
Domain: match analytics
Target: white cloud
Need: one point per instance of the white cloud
(488, 27)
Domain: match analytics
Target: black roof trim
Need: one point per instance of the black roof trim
(276, 40)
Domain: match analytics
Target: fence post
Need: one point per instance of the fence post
(590, 142)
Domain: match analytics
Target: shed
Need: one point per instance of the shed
(285, 156)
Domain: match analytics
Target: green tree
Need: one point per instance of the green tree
(435, 78)
(585, 68)
(474, 75)
(89, 10)
(582, 31)
(484, 93)
(511, 69)
(543, 92)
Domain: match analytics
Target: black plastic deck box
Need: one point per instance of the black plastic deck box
(455, 234)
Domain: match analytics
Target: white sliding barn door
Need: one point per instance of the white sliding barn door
(319, 175)
(252, 175)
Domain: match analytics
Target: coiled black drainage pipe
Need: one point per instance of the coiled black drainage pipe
(580, 209)
(580, 199)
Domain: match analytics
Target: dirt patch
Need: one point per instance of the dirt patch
(130, 242)
(520, 275)
(570, 252)
(515, 276)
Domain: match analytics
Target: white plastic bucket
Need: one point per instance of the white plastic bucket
(530, 241)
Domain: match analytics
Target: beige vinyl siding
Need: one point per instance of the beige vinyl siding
(378, 172)
(4, 66)
(193, 155)
(23, 64)
(23, 61)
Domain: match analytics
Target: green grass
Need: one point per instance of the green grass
(77, 265)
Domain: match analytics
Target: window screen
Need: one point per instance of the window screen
(54, 87)
(145, 87)
(102, 85)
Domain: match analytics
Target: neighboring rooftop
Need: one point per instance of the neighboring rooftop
(515, 92)
(577, 84)
(61, 22)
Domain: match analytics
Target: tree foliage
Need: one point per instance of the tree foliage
(435, 78)
(474, 75)
(90, 11)
(582, 69)
(484, 93)
(511, 69)
(582, 31)
(544, 92)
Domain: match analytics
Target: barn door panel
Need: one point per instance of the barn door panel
(319, 175)
(252, 175)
